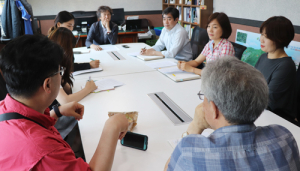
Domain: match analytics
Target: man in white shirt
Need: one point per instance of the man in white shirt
(173, 37)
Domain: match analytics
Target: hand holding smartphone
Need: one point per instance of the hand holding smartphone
(134, 140)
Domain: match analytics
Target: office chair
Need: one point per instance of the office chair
(199, 40)
(37, 23)
(298, 94)
(3, 90)
(239, 50)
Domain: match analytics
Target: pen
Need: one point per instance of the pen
(92, 59)
(90, 78)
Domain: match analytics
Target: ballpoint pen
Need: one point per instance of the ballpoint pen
(92, 59)
(90, 78)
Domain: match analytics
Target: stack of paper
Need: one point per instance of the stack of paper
(161, 64)
(106, 84)
(148, 58)
(134, 54)
(81, 51)
(87, 71)
(109, 48)
(178, 75)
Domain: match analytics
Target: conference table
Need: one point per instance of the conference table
(139, 81)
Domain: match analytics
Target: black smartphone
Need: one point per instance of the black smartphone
(134, 140)
(125, 46)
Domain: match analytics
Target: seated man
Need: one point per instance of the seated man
(173, 37)
(29, 141)
(234, 94)
(103, 31)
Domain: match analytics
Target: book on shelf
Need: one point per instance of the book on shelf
(166, 1)
(188, 2)
(187, 28)
(172, 1)
(191, 32)
(180, 1)
(195, 13)
(187, 14)
(179, 9)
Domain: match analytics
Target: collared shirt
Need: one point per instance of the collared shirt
(25, 145)
(177, 43)
(223, 48)
(238, 147)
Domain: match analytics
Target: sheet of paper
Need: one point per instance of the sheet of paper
(161, 64)
(87, 71)
(109, 48)
(107, 84)
(81, 51)
(134, 54)
(171, 70)
(174, 142)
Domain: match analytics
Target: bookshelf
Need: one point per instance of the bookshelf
(192, 12)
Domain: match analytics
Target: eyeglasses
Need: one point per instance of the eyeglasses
(61, 71)
(201, 95)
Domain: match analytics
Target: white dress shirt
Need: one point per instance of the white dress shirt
(177, 43)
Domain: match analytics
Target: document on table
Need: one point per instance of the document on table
(81, 51)
(171, 70)
(148, 58)
(109, 48)
(87, 71)
(134, 54)
(174, 142)
(106, 84)
(161, 64)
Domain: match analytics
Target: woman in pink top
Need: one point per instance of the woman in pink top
(218, 29)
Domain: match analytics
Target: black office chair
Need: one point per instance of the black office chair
(298, 93)
(37, 23)
(239, 50)
(199, 40)
(3, 90)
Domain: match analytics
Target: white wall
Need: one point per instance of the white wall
(52, 7)
(259, 10)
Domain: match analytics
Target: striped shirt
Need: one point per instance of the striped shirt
(223, 48)
(238, 147)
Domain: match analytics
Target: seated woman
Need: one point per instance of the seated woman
(103, 31)
(67, 20)
(64, 38)
(277, 67)
(218, 29)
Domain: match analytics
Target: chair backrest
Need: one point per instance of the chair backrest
(3, 90)
(298, 93)
(37, 23)
(239, 50)
(118, 16)
(199, 40)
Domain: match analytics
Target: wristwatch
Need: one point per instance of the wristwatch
(56, 110)
(185, 134)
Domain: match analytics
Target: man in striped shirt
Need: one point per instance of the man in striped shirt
(234, 94)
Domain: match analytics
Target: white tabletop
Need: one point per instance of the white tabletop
(115, 67)
(151, 121)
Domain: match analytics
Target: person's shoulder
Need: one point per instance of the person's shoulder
(113, 24)
(275, 131)
(195, 140)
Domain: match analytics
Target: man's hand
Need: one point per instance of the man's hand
(72, 109)
(199, 122)
(95, 64)
(184, 66)
(147, 52)
(96, 47)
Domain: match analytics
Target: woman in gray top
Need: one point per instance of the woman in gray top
(277, 67)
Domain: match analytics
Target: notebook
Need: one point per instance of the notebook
(87, 71)
(106, 84)
(178, 75)
(149, 58)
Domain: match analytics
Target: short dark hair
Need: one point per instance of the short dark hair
(278, 29)
(27, 61)
(171, 10)
(104, 9)
(224, 22)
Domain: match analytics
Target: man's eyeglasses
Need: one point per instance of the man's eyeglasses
(61, 71)
(201, 95)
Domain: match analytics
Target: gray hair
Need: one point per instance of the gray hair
(238, 90)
